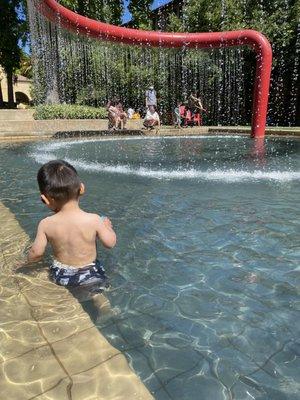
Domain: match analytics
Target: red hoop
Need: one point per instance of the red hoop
(99, 30)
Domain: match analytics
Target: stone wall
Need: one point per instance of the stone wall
(22, 85)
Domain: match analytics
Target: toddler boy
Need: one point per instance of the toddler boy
(71, 232)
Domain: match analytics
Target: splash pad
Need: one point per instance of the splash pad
(78, 24)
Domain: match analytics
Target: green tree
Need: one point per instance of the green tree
(25, 66)
(12, 31)
(140, 10)
(278, 20)
(102, 10)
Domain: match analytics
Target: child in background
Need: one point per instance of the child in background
(182, 111)
(122, 115)
(195, 103)
(71, 232)
(130, 112)
(113, 115)
(177, 115)
(188, 117)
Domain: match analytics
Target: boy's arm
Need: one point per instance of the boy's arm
(105, 232)
(37, 250)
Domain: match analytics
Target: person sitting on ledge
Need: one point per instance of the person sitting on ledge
(188, 119)
(130, 112)
(122, 115)
(114, 120)
(152, 118)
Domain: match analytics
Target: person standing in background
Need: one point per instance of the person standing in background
(177, 115)
(151, 99)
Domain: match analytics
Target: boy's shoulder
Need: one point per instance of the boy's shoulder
(92, 216)
(45, 222)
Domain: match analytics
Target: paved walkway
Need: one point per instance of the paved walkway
(50, 349)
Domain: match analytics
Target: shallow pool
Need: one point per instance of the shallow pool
(205, 276)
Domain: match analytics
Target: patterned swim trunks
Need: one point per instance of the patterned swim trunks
(92, 274)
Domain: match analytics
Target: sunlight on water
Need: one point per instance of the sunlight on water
(206, 271)
(44, 153)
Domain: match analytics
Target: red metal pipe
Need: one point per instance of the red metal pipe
(257, 41)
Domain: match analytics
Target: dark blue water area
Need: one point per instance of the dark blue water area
(205, 276)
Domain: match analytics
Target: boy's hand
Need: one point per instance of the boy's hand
(19, 265)
(107, 222)
(105, 232)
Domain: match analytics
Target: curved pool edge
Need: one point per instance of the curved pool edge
(48, 129)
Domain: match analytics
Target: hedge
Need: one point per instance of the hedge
(69, 111)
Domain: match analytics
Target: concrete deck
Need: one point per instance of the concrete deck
(15, 124)
(50, 349)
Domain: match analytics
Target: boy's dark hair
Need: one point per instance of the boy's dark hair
(59, 180)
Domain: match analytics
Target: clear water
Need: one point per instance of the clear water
(206, 271)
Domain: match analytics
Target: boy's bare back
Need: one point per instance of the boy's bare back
(73, 234)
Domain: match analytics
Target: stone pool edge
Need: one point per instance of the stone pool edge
(161, 133)
(40, 357)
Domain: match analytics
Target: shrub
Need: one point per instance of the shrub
(69, 111)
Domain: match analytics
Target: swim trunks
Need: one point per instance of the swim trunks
(92, 274)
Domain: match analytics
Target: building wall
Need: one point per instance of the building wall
(22, 88)
(159, 16)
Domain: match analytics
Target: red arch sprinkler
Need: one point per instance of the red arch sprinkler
(102, 31)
